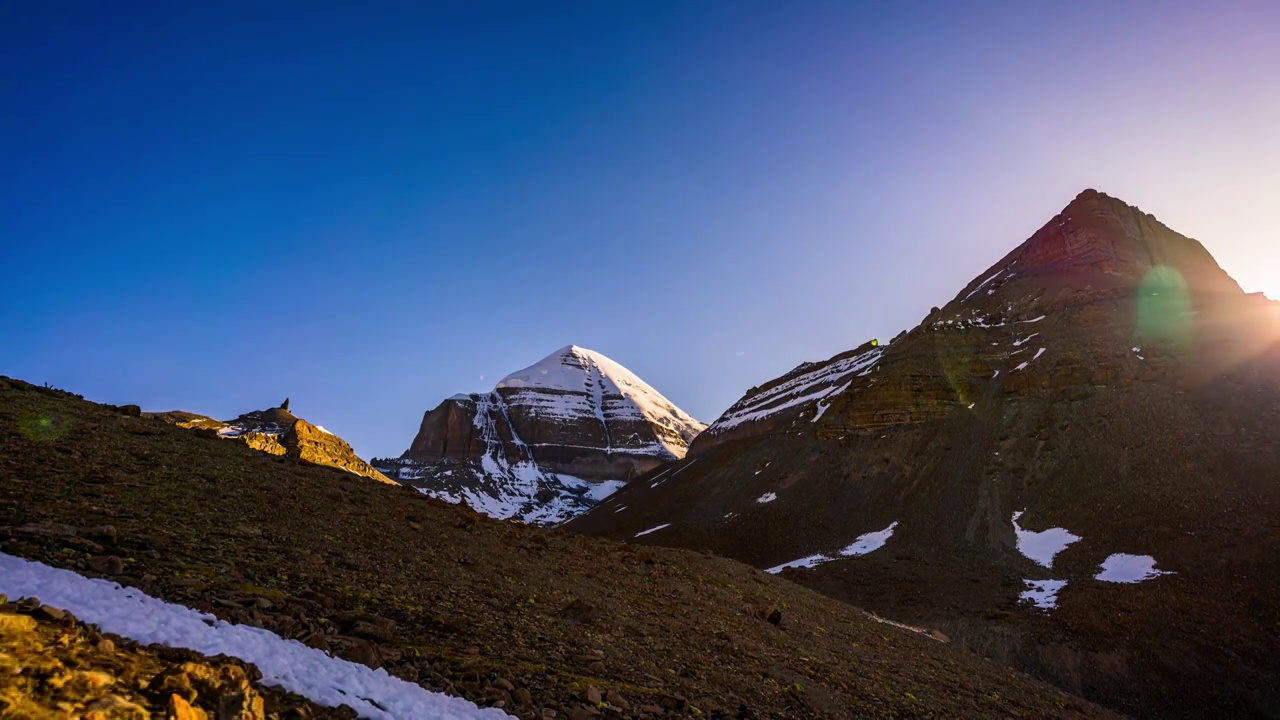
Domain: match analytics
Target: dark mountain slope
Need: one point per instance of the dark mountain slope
(494, 611)
(1106, 378)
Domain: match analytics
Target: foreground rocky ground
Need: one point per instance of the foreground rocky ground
(52, 666)
(538, 622)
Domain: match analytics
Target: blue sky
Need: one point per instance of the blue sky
(371, 207)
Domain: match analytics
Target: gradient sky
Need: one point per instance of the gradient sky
(372, 206)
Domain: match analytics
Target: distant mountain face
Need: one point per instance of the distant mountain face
(1072, 466)
(548, 442)
(279, 432)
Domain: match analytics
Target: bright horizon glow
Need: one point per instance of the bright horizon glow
(373, 209)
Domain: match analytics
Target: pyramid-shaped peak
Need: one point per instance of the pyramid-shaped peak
(576, 370)
(1098, 231)
(570, 368)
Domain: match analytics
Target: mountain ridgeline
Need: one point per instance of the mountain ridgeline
(1071, 467)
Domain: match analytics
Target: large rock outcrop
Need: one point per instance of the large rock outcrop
(549, 441)
(279, 432)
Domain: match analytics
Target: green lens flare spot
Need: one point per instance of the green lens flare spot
(1164, 310)
(42, 428)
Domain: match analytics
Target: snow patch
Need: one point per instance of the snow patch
(1129, 569)
(869, 542)
(804, 562)
(1043, 593)
(866, 543)
(1041, 547)
(288, 664)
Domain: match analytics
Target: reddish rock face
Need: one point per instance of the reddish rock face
(447, 433)
(1101, 233)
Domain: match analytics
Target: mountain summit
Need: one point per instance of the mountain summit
(1104, 234)
(1070, 466)
(549, 440)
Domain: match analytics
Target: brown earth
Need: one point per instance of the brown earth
(499, 613)
(53, 667)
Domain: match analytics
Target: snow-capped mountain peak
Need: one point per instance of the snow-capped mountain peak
(549, 441)
(577, 381)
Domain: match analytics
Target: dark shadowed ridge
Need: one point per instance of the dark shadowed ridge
(1105, 377)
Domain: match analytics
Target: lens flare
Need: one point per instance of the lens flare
(1164, 309)
(42, 428)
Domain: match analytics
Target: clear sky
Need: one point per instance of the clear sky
(372, 206)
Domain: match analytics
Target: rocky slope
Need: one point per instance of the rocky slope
(803, 392)
(548, 442)
(1071, 467)
(277, 431)
(522, 618)
(55, 667)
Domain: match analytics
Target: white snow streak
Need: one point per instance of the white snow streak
(818, 384)
(983, 284)
(651, 530)
(284, 663)
(866, 543)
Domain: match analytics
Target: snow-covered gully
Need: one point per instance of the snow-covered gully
(284, 663)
